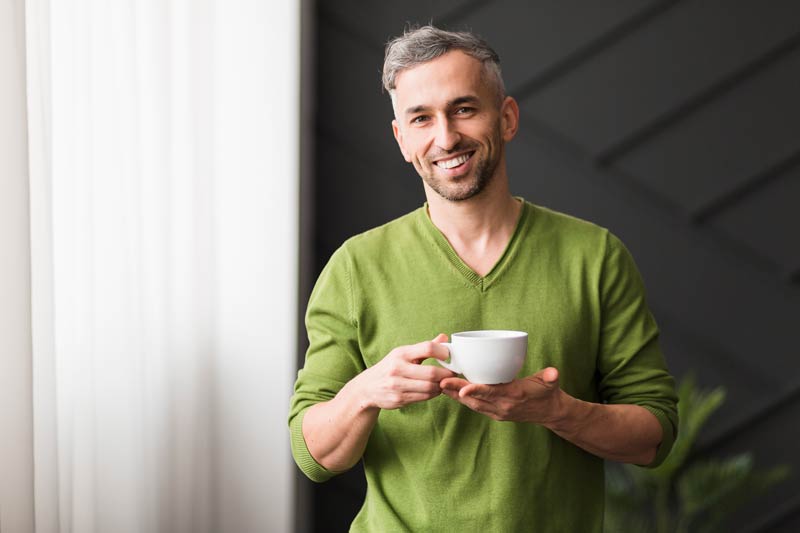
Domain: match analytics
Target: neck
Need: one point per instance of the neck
(480, 228)
(490, 215)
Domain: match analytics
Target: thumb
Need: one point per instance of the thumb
(548, 376)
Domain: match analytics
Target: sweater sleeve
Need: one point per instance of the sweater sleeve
(631, 366)
(333, 357)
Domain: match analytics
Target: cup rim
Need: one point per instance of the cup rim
(489, 334)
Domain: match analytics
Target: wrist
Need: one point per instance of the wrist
(568, 414)
(356, 396)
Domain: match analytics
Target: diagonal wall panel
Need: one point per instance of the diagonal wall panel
(533, 38)
(666, 62)
(769, 221)
(725, 143)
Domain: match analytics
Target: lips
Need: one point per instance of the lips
(453, 161)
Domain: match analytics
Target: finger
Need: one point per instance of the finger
(476, 404)
(441, 337)
(483, 392)
(550, 375)
(453, 394)
(416, 397)
(453, 383)
(424, 350)
(433, 373)
(398, 400)
(407, 385)
(547, 377)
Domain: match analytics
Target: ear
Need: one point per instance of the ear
(398, 136)
(509, 115)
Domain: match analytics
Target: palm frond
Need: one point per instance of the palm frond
(694, 408)
(685, 493)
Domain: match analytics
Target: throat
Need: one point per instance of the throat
(478, 234)
(480, 260)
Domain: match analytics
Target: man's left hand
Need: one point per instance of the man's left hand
(537, 398)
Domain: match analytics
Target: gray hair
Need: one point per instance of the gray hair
(420, 45)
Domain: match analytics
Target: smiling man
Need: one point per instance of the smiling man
(455, 141)
(440, 453)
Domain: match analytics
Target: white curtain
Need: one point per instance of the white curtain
(164, 171)
(16, 449)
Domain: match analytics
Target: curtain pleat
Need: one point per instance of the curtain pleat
(164, 263)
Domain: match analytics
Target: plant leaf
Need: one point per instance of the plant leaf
(711, 490)
(680, 495)
(694, 409)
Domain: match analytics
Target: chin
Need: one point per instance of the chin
(457, 194)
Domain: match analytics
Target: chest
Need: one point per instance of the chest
(557, 308)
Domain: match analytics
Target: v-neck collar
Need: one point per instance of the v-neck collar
(480, 282)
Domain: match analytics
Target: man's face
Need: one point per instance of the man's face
(450, 126)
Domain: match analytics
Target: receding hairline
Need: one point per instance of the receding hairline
(469, 96)
(424, 44)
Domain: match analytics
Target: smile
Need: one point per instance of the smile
(454, 162)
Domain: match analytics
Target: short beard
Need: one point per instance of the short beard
(483, 174)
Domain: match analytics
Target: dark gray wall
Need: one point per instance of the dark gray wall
(674, 124)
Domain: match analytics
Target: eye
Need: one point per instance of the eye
(465, 110)
(419, 119)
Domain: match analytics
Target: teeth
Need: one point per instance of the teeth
(450, 163)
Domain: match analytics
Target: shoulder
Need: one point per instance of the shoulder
(569, 241)
(364, 259)
(386, 240)
(562, 230)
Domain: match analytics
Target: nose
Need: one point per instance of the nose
(446, 135)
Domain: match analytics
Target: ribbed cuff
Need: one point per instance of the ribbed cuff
(310, 467)
(667, 439)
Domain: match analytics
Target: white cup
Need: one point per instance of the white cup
(489, 356)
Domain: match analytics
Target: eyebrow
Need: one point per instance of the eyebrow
(468, 99)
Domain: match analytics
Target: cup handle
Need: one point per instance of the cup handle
(451, 365)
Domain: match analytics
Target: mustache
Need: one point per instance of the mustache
(463, 146)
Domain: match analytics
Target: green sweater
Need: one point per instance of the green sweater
(438, 466)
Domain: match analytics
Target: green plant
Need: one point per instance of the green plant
(684, 493)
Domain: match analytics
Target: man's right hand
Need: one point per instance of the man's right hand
(336, 431)
(399, 379)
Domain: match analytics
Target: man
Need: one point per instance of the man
(440, 453)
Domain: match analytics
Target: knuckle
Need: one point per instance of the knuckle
(432, 373)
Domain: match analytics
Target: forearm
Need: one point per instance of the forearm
(624, 433)
(336, 431)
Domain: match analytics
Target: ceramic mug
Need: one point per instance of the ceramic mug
(487, 356)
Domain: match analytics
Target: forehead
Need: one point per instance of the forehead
(452, 75)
